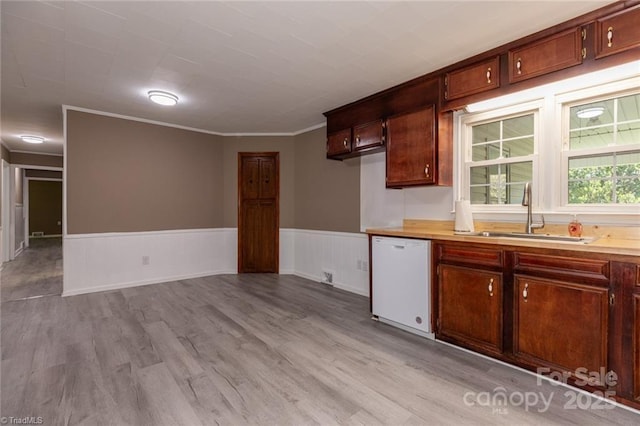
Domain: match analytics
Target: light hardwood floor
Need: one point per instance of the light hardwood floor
(247, 349)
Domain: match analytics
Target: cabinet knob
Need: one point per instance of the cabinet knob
(525, 292)
(519, 66)
(344, 142)
(490, 287)
(426, 170)
(609, 36)
(489, 75)
(358, 139)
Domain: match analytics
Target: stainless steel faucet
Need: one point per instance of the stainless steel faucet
(526, 201)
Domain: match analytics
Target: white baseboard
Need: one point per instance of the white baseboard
(110, 261)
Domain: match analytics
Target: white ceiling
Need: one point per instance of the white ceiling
(238, 67)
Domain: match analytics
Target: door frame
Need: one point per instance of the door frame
(276, 156)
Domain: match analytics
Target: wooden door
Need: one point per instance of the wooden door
(258, 211)
(470, 307)
(561, 325)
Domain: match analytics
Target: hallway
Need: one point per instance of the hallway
(36, 272)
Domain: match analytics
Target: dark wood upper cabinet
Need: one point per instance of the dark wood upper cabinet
(339, 143)
(618, 32)
(368, 135)
(411, 148)
(554, 53)
(472, 79)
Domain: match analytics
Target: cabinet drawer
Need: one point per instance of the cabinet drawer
(470, 255)
(473, 79)
(339, 143)
(618, 32)
(368, 135)
(594, 271)
(560, 51)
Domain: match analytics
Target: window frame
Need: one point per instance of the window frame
(563, 104)
(465, 162)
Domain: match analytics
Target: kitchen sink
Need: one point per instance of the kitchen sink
(544, 237)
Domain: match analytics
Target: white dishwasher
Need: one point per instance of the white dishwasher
(401, 283)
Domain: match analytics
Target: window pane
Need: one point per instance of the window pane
(486, 132)
(483, 152)
(517, 127)
(605, 179)
(518, 147)
(500, 183)
(629, 108)
(617, 124)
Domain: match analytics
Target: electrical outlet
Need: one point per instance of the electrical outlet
(365, 265)
(359, 263)
(145, 260)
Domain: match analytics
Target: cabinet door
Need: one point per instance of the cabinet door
(561, 326)
(473, 79)
(618, 32)
(339, 143)
(368, 135)
(411, 148)
(557, 52)
(636, 346)
(470, 308)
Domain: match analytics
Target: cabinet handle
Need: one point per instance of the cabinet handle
(519, 66)
(489, 75)
(358, 139)
(344, 142)
(490, 288)
(525, 292)
(609, 36)
(426, 170)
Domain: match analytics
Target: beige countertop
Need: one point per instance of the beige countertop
(624, 241)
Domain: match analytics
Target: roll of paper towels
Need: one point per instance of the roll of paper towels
(464, 219)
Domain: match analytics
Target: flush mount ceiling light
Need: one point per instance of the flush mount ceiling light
(162, 98)
(590, 112)
(32, 139)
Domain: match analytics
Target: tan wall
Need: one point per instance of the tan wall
(45, 207)
(125, 176)
(45, 174)
(6, 156)
(327, 192)
(19, 174)
(30, 159)
(282, 144)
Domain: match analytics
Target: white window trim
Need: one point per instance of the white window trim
(466, 121)
(550, 174)
(563, 103)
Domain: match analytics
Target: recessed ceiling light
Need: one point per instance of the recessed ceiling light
(590, 112)
(162, 98)
(32, 139)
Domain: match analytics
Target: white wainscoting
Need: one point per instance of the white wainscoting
(338, 252)
(99, 262)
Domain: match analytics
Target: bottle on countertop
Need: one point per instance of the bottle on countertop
(575, 227)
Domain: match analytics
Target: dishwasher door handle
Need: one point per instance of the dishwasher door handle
(398, 247)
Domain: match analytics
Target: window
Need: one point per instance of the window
(603, 151)
(577, 141)
(500, 156)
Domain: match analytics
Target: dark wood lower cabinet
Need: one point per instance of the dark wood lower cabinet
(562, 326)
(636, 347)
(566, 314)
(470, 307)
